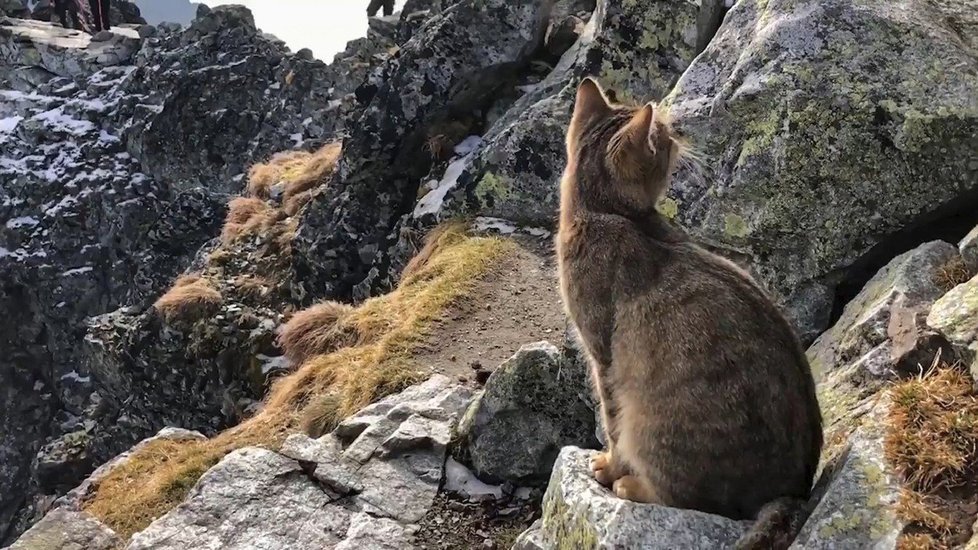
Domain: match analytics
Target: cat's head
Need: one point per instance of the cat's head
(623, 155)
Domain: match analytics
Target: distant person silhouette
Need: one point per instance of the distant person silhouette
(376, 4)
(100, 15)
(66, 9)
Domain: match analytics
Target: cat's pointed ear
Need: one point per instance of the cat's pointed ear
(641, 129)
(590, 102)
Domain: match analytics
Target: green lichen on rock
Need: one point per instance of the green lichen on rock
(824, 139)
(668, 207)
(491, 188)
(735, 226)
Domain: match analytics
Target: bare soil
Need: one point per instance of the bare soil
(516, 303)
(456, 524)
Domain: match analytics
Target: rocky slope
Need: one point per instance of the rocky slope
(837, 160)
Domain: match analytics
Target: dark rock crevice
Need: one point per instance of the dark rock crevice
(949, 223)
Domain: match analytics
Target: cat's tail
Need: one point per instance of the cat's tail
(777, 525)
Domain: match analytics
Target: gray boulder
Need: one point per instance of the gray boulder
(968, 247)
(884, 327)
(580, 513)
(857, 495)
(532, 406)
(65, 529)
(806, 119)
(366, 485)
(955, 316)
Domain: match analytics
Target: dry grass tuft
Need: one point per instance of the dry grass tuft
(190, 298)
(158, 477)
(315, 331)
(952, 274)
(918, 541)
(298, 172)
(247, 216)
(932, 437)
(321, 415)
(932, 442)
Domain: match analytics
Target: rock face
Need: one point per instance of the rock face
(532, 406)
(805, 119)
(112, 182)
(364, 486)
(68, 530)
(446, 72)
(580, 513)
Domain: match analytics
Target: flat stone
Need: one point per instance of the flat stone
(580, 513)
(64, 529)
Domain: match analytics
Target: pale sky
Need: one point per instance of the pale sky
(324, 26)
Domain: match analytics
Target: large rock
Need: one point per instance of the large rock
(857, 495)
(532, 406)
(955, 316)
(65, 529)
(884, 327)
(450, 69)
(364, 486)
(580, 513)
(826, 128)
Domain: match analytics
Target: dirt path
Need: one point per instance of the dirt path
(517, 303)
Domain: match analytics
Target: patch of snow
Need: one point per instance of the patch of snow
(537, 232)
(504, 227)
(271, 364)
(432, 202)
(21, 222)
(298, 139)
(7, 125)
(468, 145)
(459, 479)
(4, 252)
(77, 271)
(59, 121)
(73, 375)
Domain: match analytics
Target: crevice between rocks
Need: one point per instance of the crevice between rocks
(949, 222)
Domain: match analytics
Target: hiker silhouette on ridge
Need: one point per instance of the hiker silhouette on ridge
(100, 15)
(375, 5)
(66, 9)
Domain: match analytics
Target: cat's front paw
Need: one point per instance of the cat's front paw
(632, 488)
(601, 466)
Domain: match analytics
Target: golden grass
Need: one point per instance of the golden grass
(246, 216)
(190, 298)
(299, 172)
(158, 477)
(952, 274)
(321, 415)
(932, 442)
(315, 331)
(932, 436)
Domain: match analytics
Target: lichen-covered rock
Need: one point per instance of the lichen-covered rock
(955, 315)
(884, 327)
(819, 141)
(532, 407)
(579, 513)
(452, 68)
(65, 529)
(857, 496)
(637, 48)
(202, 116)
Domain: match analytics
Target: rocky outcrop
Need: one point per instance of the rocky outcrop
(955, 316)
(821, 147)
(364, 486)
(446, 73)
(857, 495)
(532, 406)
(112, 182)
(580, 513)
